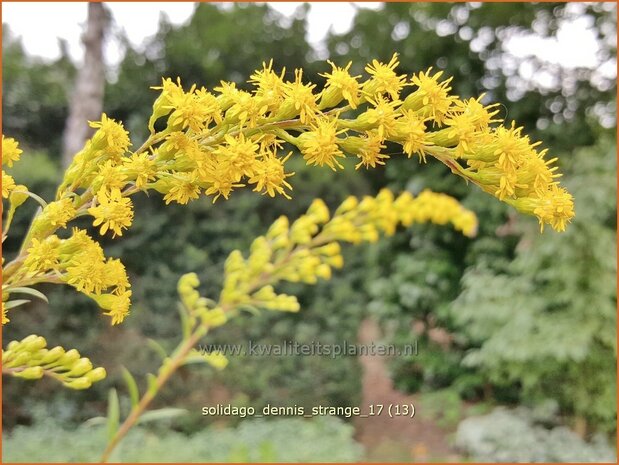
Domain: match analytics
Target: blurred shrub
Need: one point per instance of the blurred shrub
(548, 321)
(416, 275)
(513, 436)
(422, 272)
(444, 406)
(324, 439)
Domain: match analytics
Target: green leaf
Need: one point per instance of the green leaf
(157, 348)
(161, 414)
(250, 309)
(34, 196)
(194, 358)
(95, 421)
(29, 291)
(113, 414)
(132, 387)
(14, 303)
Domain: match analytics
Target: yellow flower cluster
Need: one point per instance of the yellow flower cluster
(79, 262)
(304, 251)
(8, 184)
(197, 316)
(113, 212)
(210, 143)
(10, 154)
(197, 306)
(309, 248)
(213, 142)
(10, 151)
(30, 359)
(505, 163)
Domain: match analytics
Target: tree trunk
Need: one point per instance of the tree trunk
(87, 99)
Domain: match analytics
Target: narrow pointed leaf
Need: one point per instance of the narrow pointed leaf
(14, 303)
(161, 414)
(95, 421)
(29, 291)
(113, 414)
(157, 348)
(132, 387)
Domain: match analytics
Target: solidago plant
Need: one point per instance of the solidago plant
(211, 143)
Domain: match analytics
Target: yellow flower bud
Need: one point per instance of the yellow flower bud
(214, 318)
(278, 228)
(188, 282)
(288, 303)
(34, 344)
(302, 230)
(97, 374)
(347, 205)
(13, 346)
(70, 357)
(31, 373)
(52, 355)
(323, 271)
(82, 366)
(319, 211)
(79, 383)
(336, 261)
(20, 359)
(29, 339)
(369, 233)
(18, 195)
(332, 248)
(216, 360)
(265, 293)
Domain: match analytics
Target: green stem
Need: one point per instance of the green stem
(164, 375)
(12, 267)
(446, 156)
(152, 140)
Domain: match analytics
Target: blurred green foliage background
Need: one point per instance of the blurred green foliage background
(529, 318)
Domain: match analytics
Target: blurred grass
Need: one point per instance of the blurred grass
(282, 440)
